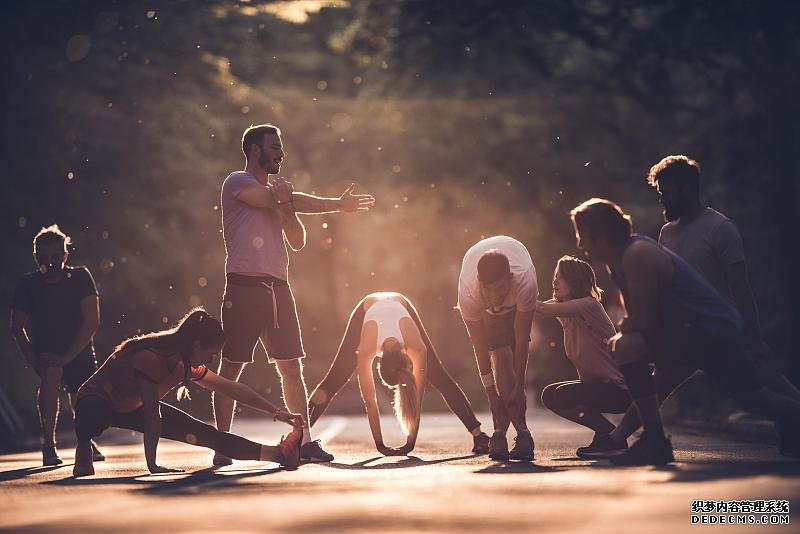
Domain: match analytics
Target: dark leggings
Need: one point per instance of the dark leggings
(585, 402)
(344, 365)
(93, 416)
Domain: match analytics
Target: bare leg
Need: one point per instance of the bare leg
(224, 406)
(48, 403)
(503, 369)
(668, 380)
(294, 391)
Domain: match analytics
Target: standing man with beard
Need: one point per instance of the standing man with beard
(259, 216)
(55, 312)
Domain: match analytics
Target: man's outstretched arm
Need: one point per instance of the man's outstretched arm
(347, 202)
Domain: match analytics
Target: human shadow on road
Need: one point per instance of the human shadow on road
(517, 467)
(706, 471)
(170, 483)
(408, 461)
(16, 474)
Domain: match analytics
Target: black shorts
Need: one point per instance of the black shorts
(254, 308)
(721, 356)
(77, 371)
(500, 329)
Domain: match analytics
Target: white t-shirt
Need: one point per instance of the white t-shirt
(524, 288)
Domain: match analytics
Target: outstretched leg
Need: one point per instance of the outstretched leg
(440, 379)
(342, 368)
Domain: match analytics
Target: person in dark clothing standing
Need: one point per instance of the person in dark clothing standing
(55, 312)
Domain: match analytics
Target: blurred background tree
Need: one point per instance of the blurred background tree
(465, 119)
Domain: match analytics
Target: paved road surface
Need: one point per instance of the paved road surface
(442, 487)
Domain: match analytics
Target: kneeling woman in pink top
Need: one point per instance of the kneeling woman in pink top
(600, 387)
(126, 392)
(385, 326)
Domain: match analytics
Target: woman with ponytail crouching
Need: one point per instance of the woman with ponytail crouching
(126, 392)
(386, 327)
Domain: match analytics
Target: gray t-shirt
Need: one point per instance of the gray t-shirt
(253, 236)
(709, 243)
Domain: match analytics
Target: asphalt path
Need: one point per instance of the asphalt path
(441, 487)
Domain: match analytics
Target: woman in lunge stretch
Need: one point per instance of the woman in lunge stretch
(126, 392)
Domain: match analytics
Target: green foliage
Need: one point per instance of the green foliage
(464, 120)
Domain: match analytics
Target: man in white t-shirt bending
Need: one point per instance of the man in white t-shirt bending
(497, 293)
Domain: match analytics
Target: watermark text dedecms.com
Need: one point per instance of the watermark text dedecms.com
(758, 512)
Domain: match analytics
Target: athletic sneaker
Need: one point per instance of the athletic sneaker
(498, 447)
(50, 455)
(83, 461)
(97, 456)
(480, 443)
(220, 460)
(313, 452)
(647, 450)
(290, 448)
(523, 448)
(602, 446)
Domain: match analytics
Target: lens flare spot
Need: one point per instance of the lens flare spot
(78, 47)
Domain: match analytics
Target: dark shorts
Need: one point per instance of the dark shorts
(262, 308)
(500, 330)
(77, 371)
(722, 357)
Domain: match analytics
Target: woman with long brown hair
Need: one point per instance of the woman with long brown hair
(126, 392)
(600, 387)
(386, 327)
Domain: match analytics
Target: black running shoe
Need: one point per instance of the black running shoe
(50, 455)
(97, 456)
(523, 448)
(647, 450)
(220, 460)
(480, 443)
(498, 447)
(313, 452)
(602, 446)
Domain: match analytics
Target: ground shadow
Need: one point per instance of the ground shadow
(167, 483)
(706, 471)
(408, 461)
(16, 474)
(517, 467)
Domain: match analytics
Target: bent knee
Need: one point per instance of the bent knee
(290, 369)
(548, 396)
(629, 349)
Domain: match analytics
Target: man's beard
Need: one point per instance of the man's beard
(672, 213)
(265, 163)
